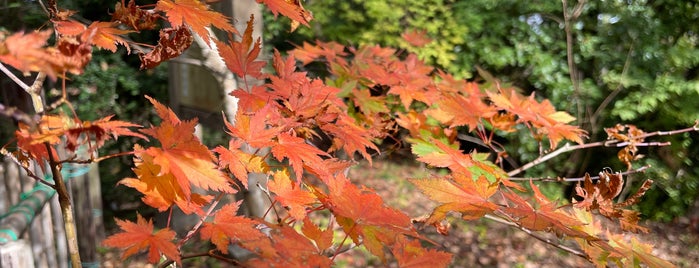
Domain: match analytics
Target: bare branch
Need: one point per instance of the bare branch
(16, 114)
(638, 170)
(194, 229)
(609, 143)
(538, 237)
(14, 78)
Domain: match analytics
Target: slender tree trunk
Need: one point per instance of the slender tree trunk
(66, 210)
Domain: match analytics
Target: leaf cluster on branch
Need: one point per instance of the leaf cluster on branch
(372, 93)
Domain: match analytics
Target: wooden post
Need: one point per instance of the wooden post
(87, 205)
(16, 254)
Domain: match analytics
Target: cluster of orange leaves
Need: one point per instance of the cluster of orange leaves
(385, 89)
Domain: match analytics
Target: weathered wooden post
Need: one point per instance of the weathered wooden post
(16, 254)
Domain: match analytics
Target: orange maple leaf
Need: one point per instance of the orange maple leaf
(322, 238)
(105, 35)
(458, 194)
(27, 53)
(194, 14)
(240, 163)
(349, 136)
(253, 129)
(139, 236)
(297, 151)
(49, 129)
(409, 253)
(547, 217)
(362, 206)
(331, 51)
(291, 9)
(226, 226)
(290, 249)
(290, 194)
(182, 154)
(254, 100)
(636, 251)
(540, 115)
(161, 190)
(69, 27)
(239, 57)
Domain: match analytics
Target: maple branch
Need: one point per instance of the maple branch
(638, 170)
(538, 237)
(30, 173)
(66, 208)
(568, 18)
(96, 160)
(342, 243)
(611, 96)
(17, 114)
(196, 227)
(32, 90)
(14, 78)
(209, 253)
(609, 143)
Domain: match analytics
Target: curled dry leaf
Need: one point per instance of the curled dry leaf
(171, 44)
(600, 196)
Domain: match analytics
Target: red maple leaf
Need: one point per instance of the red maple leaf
(227, 227)
(182, 154)
(416, 38)
(98, 132)
(194, 14)
(132, 15)
(172, 43)
(139, 236)
(239, 57)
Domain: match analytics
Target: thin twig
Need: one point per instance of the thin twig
(17, 114)
(638, 170)
(569, 17)
(14, 78)
(540, 238)
(96, 160)
(611, 96)
(194, 229)
(609, 143)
